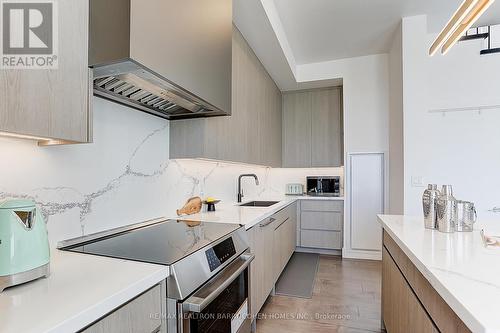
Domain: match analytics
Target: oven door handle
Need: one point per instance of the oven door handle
(198, 304)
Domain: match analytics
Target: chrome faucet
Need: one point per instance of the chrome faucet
(240, 192)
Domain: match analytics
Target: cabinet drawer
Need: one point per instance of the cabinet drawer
(141, 315)
(321, 220)
(280, 217)
(321, 239)
(289, 212)
(322, 205)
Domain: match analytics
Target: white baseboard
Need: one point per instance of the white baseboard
(349, 254)
(360, 254)
(319, 251)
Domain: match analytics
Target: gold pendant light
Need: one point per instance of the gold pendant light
(465, 16)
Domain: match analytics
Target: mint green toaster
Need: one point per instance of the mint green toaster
(24, 245)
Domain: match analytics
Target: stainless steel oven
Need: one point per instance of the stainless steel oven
(208, 264)
(222, 305)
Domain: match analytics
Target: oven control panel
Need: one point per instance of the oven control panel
(220, 253)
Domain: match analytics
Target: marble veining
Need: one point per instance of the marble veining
(465, 276)
(125, 176)
(84, 205)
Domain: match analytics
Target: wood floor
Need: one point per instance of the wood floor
(346, 298)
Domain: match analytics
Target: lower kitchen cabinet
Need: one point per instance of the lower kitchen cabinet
(321, 224)
(261, 269)
(140, 315)
(401, 309)
(409, 302)
(322, 220)
(321, 239)
(284, 239)
(272, 241)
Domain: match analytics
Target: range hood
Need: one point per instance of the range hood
(169, 58)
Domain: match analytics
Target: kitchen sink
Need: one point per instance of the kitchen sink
(259, 203)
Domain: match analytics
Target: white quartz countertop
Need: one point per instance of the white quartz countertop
(231, 212)
(457, 265)
(81, 289)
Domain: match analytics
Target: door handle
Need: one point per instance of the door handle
(214, 289)
(265, 224)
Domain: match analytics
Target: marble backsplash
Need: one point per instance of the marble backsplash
(125, 176)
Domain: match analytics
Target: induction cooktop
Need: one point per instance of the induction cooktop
(162, 243)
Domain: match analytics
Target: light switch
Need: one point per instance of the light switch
(417, 181)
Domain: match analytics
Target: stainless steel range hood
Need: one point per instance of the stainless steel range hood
(170, 58)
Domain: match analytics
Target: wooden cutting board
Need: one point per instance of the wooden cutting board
(192, 206)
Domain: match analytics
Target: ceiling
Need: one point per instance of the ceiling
(322, 30)
(287, 33)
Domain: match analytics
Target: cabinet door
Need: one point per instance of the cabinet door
(268, 237)
(261, 269)
(312, 128)
(270, 135)
(279, 250)
(297, 129)
(401, 310)
(326, 124)
(290, 240)
(366, 189)
(256, 270)
(292, 231)
(285, 234)
(141, 315)
(52, 103)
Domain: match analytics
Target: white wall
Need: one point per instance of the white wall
(461, 148)
(396, 154)
(125, 176)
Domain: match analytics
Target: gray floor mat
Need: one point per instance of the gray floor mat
(298, 276)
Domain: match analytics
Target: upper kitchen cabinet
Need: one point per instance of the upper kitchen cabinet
(312, 128)
(122, 50)
(51, 102)
(297, 138)
(252, 134)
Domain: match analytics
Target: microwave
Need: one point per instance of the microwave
(323, 186)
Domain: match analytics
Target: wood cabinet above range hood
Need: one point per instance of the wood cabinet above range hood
(170, 58)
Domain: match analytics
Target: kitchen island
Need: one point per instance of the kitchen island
(437, 282)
